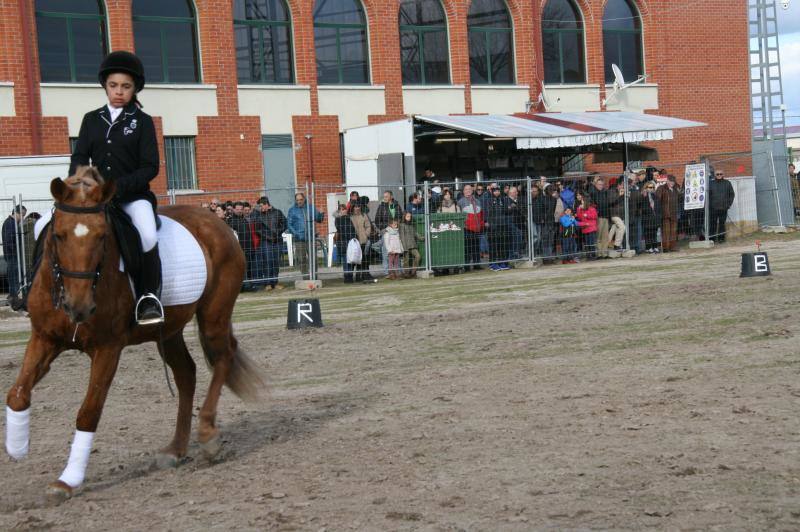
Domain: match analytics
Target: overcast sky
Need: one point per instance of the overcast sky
(789, 39)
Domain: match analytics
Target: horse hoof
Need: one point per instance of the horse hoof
(58, 492)
(166, 461)
(212, 447)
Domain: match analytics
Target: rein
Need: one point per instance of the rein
(58, 272)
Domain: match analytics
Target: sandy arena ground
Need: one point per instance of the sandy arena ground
(659, 392)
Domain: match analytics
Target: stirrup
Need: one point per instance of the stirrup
(150, 320)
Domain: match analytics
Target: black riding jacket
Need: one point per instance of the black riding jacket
(125, 151)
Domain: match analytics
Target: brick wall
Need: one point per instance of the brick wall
(696, 52)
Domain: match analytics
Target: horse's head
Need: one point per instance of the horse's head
(79, 230)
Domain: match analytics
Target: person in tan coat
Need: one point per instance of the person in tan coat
(363, 228)
(667, 195)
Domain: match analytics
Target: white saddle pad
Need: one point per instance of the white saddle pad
(183, 265)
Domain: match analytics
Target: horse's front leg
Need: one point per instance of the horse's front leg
(39, 353)
(104, 367)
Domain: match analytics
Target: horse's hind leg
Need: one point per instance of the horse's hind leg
(176, 355)
(219, 347)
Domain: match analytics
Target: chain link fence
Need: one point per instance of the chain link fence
(302, 233)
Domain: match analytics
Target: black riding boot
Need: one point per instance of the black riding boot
(148, 290)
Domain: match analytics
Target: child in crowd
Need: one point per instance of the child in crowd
(569, 226)
(391, 239)
(409, 239)
(587, 221)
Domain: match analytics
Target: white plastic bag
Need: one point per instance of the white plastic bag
(353, 251)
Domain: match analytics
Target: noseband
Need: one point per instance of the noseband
(58, 272)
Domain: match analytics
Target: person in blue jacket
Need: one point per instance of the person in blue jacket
(297, 223)
(569, 228)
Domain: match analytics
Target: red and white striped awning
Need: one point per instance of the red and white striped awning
(565, 130)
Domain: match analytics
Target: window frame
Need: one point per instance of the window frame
(102, 18)
(487, 31)
(162, 20)
(420, 31)
(262, 24)
(559, 32)
(338, 26)
(618, 34)
(174, 181)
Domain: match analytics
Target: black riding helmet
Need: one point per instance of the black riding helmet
(122, 61)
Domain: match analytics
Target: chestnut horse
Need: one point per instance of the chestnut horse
(80, 300)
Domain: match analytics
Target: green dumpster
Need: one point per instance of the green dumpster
(447, 238)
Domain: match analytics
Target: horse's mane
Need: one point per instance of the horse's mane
(85, 175)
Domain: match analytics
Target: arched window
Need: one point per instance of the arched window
(165, 34)
(263, 33)
(340, 40)
(562, 43)
(622, 40)
(491, 48)
(424, 52)
(72, 39)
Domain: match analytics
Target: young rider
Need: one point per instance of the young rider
(120, 140)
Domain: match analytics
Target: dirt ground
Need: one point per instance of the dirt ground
(660, 392)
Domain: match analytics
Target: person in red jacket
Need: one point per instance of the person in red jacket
(587, 221)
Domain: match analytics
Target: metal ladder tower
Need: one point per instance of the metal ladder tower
(766, 87)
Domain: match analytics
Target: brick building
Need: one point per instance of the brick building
(238, 86)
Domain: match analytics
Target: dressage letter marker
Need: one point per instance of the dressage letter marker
(755, 265)
(304, 313)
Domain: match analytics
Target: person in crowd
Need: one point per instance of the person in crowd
(212, 206)
(587, 221)
(555, 193)
(394, 248)
(270, 224)
(364, 230)
(497, 229)
(29, 239)
(11, 252)
(345, 232)
(297, 220)
(795, 182)
(241, 227)
(517, 217)
(410, 240)
(634, 199)
(616, 214)
(599, 195)
(448, 203)
(388, 209)
(720, 199)
(539, 217)
(221, 214)
(668, 202)
(568, 229)
(352, 201)
(683, 216)
(651, 217)
(479, 191)
(436, 196)
(415, 205)
(473, 228)
(248, 209)
(567, 194)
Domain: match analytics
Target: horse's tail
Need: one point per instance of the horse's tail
(245, 378)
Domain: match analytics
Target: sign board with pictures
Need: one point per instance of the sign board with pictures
(696, 187)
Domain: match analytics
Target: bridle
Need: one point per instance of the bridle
(58, 272)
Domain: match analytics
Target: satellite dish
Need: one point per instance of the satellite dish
(619, 83)
(543, 101)
(619, 79)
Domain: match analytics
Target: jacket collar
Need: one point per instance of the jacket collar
(127, 111)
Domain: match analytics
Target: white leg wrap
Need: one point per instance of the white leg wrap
(78, 459)
(17, 433)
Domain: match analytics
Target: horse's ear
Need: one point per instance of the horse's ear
(57, 189)
(109, 188)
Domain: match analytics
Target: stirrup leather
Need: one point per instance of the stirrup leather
(149, 321)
